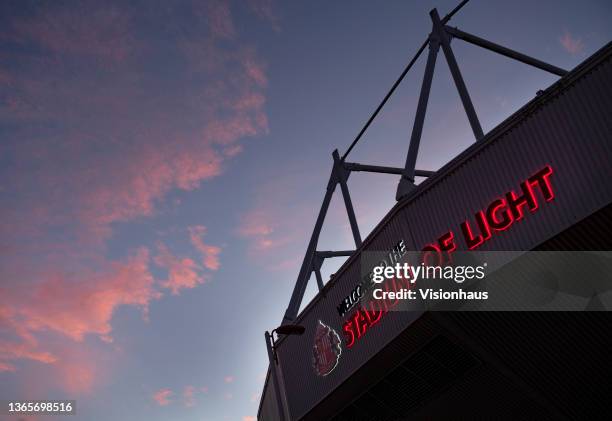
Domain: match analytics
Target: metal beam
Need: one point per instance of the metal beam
(385, 99)
(319, 258)
(354, 166)
(306, 269)
(341, 176)
(273, 361)
(407, 181)
(399, 80)
(456, 73)
(455, 10)
(340, 253)
(473, 39)
(316, 267)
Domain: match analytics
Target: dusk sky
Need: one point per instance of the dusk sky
(162, 164)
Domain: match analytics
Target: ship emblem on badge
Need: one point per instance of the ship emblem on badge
(326, 350)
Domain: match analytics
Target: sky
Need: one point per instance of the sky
(162, 165)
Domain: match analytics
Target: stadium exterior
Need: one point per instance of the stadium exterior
(431, 365)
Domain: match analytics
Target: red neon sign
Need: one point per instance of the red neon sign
(499, 216)
(365, 318)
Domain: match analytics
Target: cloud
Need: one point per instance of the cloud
(571, 44)
(229, 379)
(69, 31)
(98, 134)
(189, 396)
(249, 418)
(75, 307)
(183, 273)
(6, 367)
(72, 305)
(162, 397)
(210, 254)
(78, 377)
(220, 19)
(264, 10)
(174, 139)
(275, 240)
(266, 230)
(17, 351)
(257, 73)
(280, 220)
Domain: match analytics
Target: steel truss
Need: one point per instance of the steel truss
(440, 36)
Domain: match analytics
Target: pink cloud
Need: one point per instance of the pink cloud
(73, 305)
(220, 19)
(6, 367)
(571, 44)
(229, 379)
(24, 350)
(103, 33)
(210, 253)
(70, 306)
(189, 396)
(162, 397)
(233, 150)
(257, 73)
(270, 233)
(265, 11)
(78, 378)
(183, 273)
(112, 148)
(278, 224)
(249, 418)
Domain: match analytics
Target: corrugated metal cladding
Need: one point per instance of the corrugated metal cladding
(268, 408)
(568, 127)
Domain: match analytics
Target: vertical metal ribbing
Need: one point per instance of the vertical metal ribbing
(274, 373)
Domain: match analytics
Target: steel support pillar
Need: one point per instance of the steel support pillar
(306, 268)
(317, 262)
(407, 181)
(438, 28)
(342, 175)
(339, 175)
(273, 361)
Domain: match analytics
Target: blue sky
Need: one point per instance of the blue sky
(163, 164)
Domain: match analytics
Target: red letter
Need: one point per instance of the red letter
(471, 240)
(481, 221)
(349, 335)
(447, 244)
(360, 323)
(541, 178)
(516, 203)
(505, 222)
(373, 315)
(428, 250)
